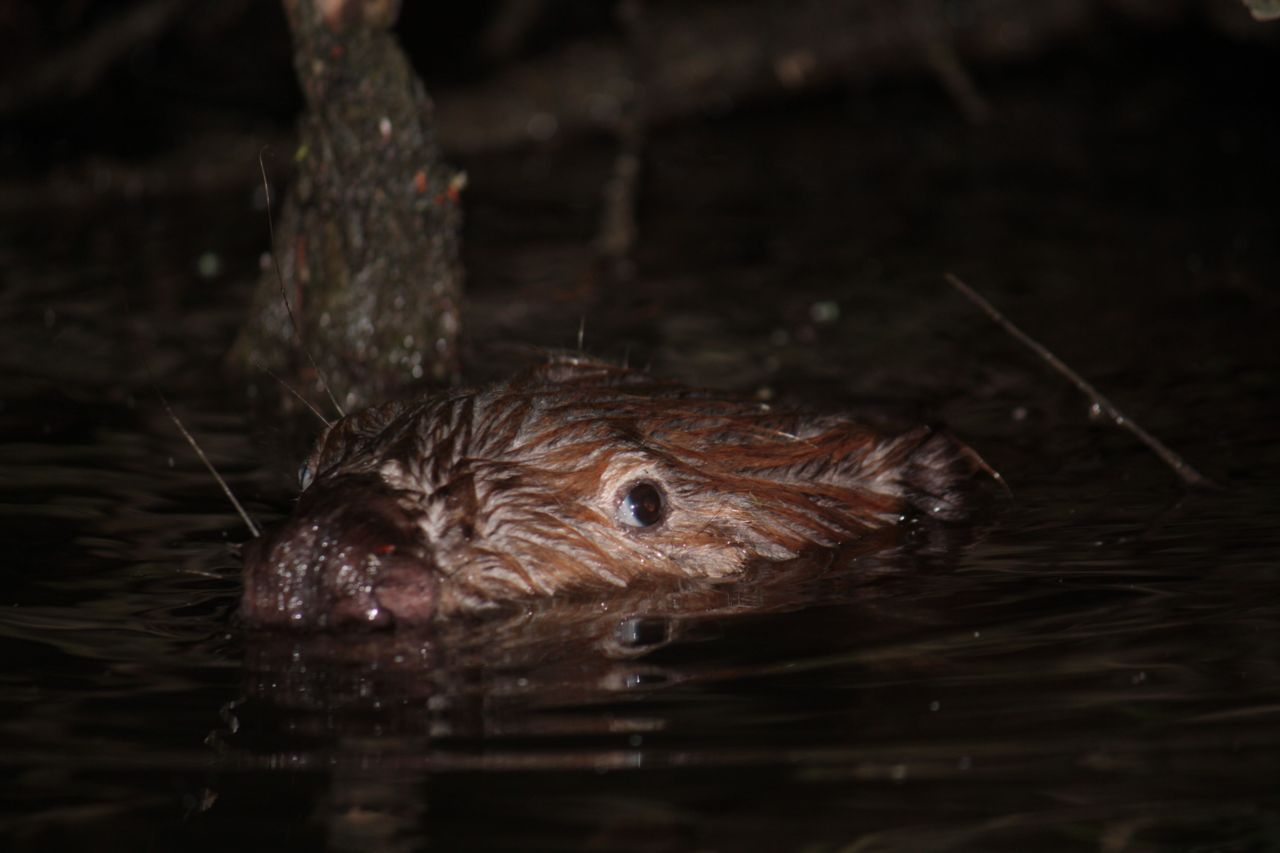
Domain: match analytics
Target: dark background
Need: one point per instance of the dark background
(1096, 669)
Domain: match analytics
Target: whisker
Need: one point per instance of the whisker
(284, 293)
(248, 522)
(296, 393)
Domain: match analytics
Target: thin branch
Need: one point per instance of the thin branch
(955, 78)
(619, 229)
(1180, 466)
(75, 69)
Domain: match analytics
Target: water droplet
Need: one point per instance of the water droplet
(824, 312)
(209, 265)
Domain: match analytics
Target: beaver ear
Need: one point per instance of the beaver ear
(939, 475)
(927, 469)
(349, 435)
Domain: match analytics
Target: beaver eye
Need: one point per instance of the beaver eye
(305, 475)
(642, 505)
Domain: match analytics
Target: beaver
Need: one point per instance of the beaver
(577, 477)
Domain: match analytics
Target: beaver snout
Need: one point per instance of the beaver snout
(350, 555)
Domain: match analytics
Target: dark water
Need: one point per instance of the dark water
(1094, 665)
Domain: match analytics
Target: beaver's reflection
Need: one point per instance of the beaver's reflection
(560, 685)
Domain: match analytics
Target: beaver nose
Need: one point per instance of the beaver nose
(349, 555)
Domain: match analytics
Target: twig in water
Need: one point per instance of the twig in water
(248, 522)
(1180, 466)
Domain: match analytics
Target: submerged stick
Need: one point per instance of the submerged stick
(244, 516)
(1180, 466)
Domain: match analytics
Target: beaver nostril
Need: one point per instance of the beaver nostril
(351, 556)
(362, 611)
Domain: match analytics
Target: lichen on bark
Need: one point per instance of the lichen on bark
(368, 239)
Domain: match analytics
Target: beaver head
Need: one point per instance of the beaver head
(575, 476)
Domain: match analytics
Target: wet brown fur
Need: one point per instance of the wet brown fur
(456, 502)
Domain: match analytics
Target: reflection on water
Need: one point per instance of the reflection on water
(1095, 665)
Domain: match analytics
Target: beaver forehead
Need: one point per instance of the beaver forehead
(501, 436)
(556, 470)
(583, 430)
